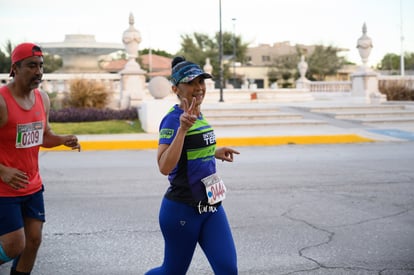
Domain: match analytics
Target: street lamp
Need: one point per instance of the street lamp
(221, 56)
(234, 52)
(402, 42)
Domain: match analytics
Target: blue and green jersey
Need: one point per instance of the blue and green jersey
(197, 159)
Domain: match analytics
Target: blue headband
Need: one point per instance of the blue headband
(186, 71)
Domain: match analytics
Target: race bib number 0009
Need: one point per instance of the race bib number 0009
(29, 135)
(215, 188)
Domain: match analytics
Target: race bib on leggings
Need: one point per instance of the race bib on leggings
(215, 189)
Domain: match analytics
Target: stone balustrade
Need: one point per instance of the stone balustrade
(59, 83)
(330, 86)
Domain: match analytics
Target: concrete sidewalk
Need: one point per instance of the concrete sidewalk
(257, 136)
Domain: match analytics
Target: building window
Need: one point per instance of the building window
(265, 58)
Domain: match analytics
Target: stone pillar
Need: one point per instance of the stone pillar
(208, 69)
(252, 84)
(151, 112)
(132, 76)
(245, 84)
(302, 82)
(365, 80)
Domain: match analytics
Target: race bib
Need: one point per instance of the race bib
(215, 188)
(29, 135)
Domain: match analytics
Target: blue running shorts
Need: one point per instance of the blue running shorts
(14, 209)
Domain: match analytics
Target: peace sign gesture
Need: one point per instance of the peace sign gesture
(189, 117)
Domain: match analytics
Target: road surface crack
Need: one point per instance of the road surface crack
(329, 238)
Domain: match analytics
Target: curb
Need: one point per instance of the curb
(227, 141)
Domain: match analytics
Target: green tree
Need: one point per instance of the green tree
(284, 67)
(323, 61)
(199, 46)
(409, 61)
(51, 63)
(154, 51)
(5, 62)
(229, 43)
(391, 62)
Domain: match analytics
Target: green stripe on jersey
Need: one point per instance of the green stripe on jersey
(201, 152)
(200, 126)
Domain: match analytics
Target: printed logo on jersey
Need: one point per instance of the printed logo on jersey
(166, 133)
(209, 138)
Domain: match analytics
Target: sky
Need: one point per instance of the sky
(162, 22)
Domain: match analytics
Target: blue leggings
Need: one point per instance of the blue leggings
(183, 227)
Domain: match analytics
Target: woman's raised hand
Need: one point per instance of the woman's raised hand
(189, 117)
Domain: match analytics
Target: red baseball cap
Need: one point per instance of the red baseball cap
(23, 51)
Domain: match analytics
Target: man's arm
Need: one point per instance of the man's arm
(3, 112)
(50, 139)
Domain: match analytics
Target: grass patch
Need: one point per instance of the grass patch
(97, 127)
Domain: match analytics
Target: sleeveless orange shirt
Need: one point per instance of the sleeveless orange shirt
(20, 139)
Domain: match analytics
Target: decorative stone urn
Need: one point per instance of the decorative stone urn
(131, 39)
(208, 69)
(365, 81)
(364, 46)
(132, 76)
(302, 82)
(302, 67)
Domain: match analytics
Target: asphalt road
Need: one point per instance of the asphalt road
(293, 209)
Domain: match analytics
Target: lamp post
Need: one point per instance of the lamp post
(220, 56)
(402, 42)
(234, 52)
